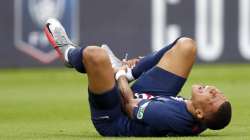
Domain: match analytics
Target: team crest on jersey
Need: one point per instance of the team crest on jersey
(30, 16)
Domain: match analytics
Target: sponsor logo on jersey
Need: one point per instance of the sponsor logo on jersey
(141, 110)
(30, 17)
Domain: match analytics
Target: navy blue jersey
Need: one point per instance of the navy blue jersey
(154, 116)
(166, 116)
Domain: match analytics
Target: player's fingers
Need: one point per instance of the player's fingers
(129, 63)
(137, 61)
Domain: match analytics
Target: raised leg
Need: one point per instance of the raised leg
(180, 58)
(99, 69)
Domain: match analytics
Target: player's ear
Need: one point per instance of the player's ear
(199, 114)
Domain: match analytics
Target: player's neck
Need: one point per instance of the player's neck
(190, 107)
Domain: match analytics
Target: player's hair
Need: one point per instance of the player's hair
(221, 118)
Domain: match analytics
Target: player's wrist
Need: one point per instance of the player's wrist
(120, 73)
(129, 74)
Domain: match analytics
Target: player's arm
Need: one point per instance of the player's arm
(127, 94)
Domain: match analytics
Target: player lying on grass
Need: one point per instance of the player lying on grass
(151, 106)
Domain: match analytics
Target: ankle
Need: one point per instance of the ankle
(66, 53)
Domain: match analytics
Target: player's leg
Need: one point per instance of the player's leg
(104, 97)
(98, 68)
(179, 59)
(170, 74)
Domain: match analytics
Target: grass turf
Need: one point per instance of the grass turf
(52, 103)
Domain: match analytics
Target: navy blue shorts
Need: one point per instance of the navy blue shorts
(159, 82)
(106, 113)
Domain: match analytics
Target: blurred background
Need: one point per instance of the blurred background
(41, 99)
(137, 27)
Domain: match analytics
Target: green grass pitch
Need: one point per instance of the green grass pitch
(51, 104)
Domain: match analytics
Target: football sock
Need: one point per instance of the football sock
(75, 59)
(150, 61)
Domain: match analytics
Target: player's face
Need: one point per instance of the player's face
(207, 98)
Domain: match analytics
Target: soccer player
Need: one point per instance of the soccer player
(151, 106)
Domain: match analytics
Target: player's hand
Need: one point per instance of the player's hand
(123, 67)
(131, 63)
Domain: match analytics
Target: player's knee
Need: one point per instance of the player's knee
(186, 46)
(94, 55)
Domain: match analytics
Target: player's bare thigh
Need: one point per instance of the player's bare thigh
(180, 58)
(99, 70)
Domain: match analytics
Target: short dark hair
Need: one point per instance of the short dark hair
(221, 118)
